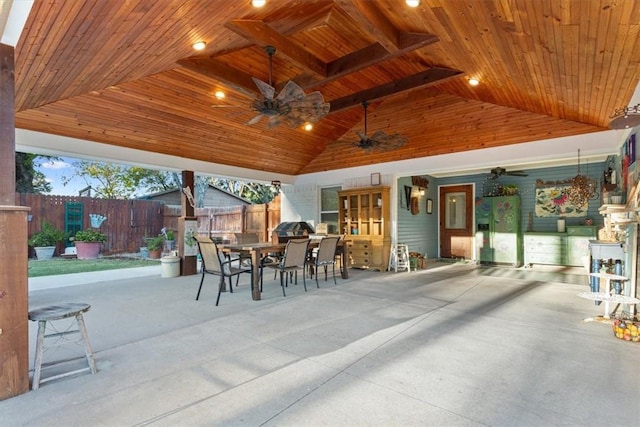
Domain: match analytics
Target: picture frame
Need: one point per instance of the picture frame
(429, 206)
(375, 178)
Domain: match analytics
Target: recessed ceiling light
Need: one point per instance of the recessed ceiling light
(474, 82)
(219, 94)
(258, 3)
(199, 45)
(413, 3)
(308, 126)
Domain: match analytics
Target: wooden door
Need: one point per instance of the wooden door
(456, 222)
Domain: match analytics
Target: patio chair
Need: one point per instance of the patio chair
(294, 259)
(216, 263)
(325, 256)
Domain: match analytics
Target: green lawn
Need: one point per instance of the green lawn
(66, 266)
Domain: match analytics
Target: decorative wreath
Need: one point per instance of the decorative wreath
(415, 209)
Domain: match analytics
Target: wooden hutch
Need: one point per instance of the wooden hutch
(364, 219)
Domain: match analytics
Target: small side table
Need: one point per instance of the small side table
(57, 312)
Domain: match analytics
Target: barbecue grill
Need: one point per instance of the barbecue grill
(286, 231)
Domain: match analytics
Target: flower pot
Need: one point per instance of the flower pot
(155, 253)
(44, 252)
(170, 245)
(88, 250)
(144, 252)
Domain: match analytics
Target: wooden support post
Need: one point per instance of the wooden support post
(14, 308)
(189, 259)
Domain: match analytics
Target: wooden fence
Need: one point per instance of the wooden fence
(130, 221)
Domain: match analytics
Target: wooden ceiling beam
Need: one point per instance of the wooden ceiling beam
(372, 20)
(425, 78)
(229, 76)
(261, 34)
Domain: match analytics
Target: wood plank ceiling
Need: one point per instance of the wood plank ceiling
(124, 73)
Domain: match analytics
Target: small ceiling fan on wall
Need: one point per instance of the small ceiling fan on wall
(498, 172)
(291, 105)
(379, 141)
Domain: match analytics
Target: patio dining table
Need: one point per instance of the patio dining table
(256, 250)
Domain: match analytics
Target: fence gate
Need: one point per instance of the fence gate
(73, 219)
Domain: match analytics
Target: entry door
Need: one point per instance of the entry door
(456, 222)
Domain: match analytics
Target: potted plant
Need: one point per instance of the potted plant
(88, 243)
(155, 246)
(170, 241)
(44, 241)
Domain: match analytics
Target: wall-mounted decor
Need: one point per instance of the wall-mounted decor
(415, 206)
(407, 195)
(375, 178)
(420, 181)
(554, 201)
(429, 206)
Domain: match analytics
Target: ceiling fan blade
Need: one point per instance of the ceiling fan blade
(273, 121)
(361, 135)
(291, 92)
(254, 120)
(266, 90)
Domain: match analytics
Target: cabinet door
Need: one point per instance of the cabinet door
(505, 236)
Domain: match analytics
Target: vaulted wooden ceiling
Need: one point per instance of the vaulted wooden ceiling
(124, 73)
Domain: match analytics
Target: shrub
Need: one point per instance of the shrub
(90, 235)
(47, 236)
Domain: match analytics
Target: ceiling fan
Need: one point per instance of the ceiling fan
(498, 171)
(379, 141)
(291, 105)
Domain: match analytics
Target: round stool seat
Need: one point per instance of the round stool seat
(52, 313)
(59, 311)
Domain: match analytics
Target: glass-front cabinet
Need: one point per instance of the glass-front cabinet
(364, 219)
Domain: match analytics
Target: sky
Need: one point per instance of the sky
(55, 170)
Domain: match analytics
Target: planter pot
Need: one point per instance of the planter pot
(88, 250)
(170, 245)
(144, 252)
(44, 252)
(155, 253)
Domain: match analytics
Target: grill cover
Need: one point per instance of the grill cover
(286, 231)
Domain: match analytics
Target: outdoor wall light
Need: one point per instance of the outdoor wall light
(276, 185)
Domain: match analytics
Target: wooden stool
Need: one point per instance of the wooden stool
(58, 312)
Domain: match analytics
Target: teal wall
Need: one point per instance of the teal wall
(420, 231)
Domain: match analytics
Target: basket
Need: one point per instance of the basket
(627, 330)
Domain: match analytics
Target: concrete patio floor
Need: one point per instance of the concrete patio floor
(452, 345)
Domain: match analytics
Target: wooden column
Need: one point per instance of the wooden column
(14, 308)
(189, 262)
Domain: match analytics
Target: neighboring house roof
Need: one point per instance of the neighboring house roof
(210, 189)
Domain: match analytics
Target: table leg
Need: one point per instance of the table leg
(255, 279)
(343, 264)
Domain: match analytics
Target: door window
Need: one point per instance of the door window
(456, 210)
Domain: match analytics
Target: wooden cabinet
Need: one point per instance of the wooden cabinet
(364, 219)
(552, 248)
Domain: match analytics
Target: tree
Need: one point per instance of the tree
(252, 191)
(28, 179)
(119, 181)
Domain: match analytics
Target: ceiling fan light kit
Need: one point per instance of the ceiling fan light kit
(291, 105)
(625, 118)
